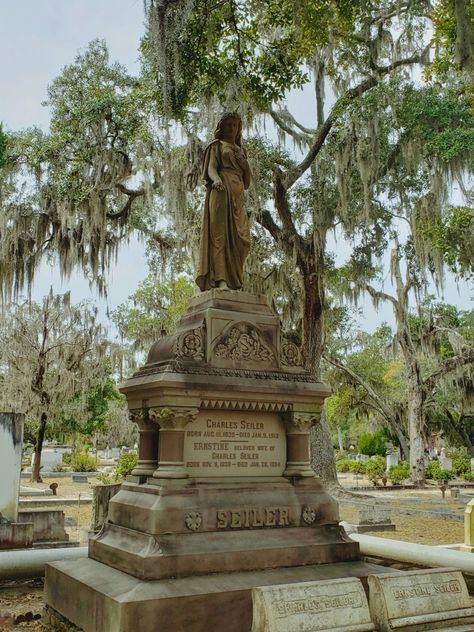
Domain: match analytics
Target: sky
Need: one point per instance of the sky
(37, 39)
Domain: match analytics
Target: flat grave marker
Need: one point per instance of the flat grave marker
(433, 599)
(338, 605)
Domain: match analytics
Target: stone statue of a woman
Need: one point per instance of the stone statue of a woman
(225, 235)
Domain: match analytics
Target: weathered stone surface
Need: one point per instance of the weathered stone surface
(11, 438)
(435, 599)
(48, 524)
(189, 527)
(16, 535)
(98, 598)
(101, 495)
(339, 605)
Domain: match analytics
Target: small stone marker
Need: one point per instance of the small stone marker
(434, 599)
(78, 478)
(373, 518)
(446, 463)
(391, 459)
(338, 605)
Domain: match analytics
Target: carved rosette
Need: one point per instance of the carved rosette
(193, 520)
(291, 355)
(243, 342)
(190, 345)
(308, 515)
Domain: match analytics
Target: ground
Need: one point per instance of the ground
(21, 598)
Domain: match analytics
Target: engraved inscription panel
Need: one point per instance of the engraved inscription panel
(311, 606)
(415, 593)
(233, 443)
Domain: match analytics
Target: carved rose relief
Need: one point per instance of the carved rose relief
(190, 345)
(291, 355)
(243, 342)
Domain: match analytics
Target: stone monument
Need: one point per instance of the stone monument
(13, 534)
(223, 498)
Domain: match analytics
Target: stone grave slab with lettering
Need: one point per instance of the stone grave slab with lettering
(416, 601)
(224, 483)
(339, 605)
(373, 518)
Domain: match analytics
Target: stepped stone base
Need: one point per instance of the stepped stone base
(97, 598)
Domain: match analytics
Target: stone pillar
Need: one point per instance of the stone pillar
(147, 442)
(298, 446)
(469, 524)
(172, 422)
(11, 444)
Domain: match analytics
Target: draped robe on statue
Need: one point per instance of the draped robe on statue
(225, 234)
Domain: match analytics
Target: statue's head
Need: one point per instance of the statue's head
(224, 121)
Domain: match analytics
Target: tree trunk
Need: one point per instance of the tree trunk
(322, 451)
(416, 426)
(35, 472)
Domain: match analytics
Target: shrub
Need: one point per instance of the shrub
(61, 467)
(461, 460)
(399, 473)
(468, 476)
(344, 465)
(67, 456)
(375, 468)
(357, 467)
(82, 462)
(373, 443)
(434, 471)
(126, 463)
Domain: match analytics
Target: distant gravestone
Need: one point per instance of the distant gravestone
(472, 465)
(392, 459)
(11, 441)
(322, 606)
(373, 518)
(446, 463)
(434, 599)
(50, 457)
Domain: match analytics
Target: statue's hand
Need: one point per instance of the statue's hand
(218, 186)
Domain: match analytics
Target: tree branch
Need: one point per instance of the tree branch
(293, 174)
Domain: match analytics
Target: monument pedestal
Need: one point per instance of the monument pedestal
(223, 498)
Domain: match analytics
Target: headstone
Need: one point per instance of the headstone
(338, 604)
(373, 518)
(79, 478)
(49, 458)
(421, 600)
(392, 459)
(11, 441)
(472, 465)
(446, 463)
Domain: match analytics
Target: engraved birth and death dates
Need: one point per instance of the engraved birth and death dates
(235, 444)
